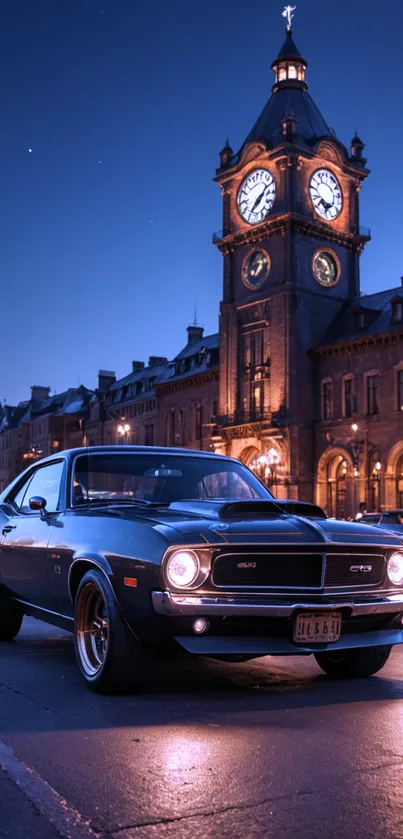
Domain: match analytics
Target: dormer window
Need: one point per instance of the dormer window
(397, 311)
(359, 320)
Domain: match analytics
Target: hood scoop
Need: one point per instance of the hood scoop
(255, 509)
(261, 509)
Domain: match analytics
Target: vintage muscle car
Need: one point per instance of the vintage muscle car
(143, 552)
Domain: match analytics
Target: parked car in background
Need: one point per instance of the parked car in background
(390, 519)
(145, 551)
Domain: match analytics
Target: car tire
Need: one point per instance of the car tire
(109, 656)
(352, 664)
(11, 618)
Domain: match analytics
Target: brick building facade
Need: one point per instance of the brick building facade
(304, 381)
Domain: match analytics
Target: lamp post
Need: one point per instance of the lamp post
(377, 473)
(356, 449)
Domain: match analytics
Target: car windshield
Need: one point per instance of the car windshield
(159, 478)
(395, 517)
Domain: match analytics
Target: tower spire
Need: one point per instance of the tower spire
(289, 66)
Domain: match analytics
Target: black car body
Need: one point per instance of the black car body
(141, 550)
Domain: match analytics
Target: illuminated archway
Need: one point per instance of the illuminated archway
(335, 487)
(394, 477)
(249, 454)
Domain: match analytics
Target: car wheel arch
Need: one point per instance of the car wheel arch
(79, 568)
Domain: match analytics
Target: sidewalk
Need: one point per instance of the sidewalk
(18, 817)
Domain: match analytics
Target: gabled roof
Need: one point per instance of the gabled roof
(379, 310)
(71, 401)
(139, 376)
(209, 342)
(196, 357)
(12, 415)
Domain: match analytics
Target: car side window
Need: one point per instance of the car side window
(45, 483)
(18, 497)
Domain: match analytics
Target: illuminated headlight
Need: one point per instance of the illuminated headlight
(182, 568)
(395, 569)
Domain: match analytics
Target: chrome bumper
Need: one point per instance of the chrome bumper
(177, 605)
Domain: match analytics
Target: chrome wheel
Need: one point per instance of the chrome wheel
(92, 629)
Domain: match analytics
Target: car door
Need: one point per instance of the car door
(25, 537)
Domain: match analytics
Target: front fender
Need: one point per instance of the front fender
(81, 563)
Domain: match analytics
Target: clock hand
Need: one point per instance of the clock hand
(258, 200)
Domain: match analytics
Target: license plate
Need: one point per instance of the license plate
(317, 628)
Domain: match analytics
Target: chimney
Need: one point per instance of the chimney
(195, 334)
(137, 365)
(106, 378)
(154, 360)
(39, 394)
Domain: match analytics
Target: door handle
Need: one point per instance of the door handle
(8, 528)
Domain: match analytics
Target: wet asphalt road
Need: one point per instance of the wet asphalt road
(270, 748)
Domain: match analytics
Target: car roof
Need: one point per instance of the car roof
(150, 450)
(384, 513)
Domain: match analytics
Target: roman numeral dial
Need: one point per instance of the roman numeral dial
(256, 196)
(326, 194)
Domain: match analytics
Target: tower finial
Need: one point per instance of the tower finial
(288, 13)
(195, 317)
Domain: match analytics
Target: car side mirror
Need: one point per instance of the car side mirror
(38, 503)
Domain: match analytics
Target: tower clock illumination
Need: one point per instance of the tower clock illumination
(326, 195)
(256, 196)
(255, 269)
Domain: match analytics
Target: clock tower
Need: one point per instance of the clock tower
(291, 243)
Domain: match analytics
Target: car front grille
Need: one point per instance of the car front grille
(268, 570)
(354, 570)
(302, 570)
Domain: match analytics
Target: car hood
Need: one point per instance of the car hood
(218, 522)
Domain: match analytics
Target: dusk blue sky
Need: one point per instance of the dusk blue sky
(104, 262)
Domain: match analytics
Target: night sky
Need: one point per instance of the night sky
(105, 226)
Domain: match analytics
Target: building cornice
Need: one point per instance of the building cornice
(284, 223)
(358, 344)
(190, 381)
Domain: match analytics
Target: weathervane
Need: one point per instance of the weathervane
(288, 13)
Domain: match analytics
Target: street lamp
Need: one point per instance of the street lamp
(123, 430)
(265, 466)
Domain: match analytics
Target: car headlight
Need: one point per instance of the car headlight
(395, 569)
(182, 568)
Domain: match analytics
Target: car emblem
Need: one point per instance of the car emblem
(246, 565)
(361, 569)
(219, 527)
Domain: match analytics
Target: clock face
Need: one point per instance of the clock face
(256, 196)
(326, 194)
(325, 268)
(255, 269)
